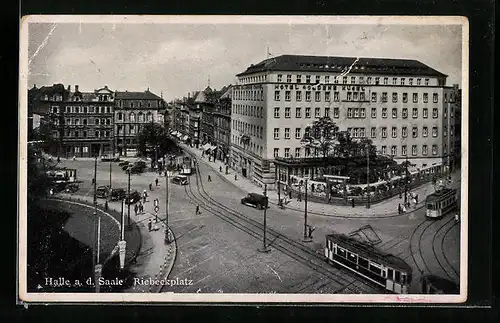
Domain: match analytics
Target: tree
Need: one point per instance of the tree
(321, 136)
(153, 141)
(49, 134)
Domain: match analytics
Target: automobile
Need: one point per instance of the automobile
(123, 163)
(102, 191)
(255, 200)
(180, 179)
(136, 169)
(71, 188)
(133, 198)
(117, 194)
(107, 158)
(140, 163)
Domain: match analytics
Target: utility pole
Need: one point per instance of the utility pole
(368, 175)
(306, 238)
(97, 266)
(129, 200)
(406, 179)
(110, 168)
(167, 238)
(277, 176)
(265, 248)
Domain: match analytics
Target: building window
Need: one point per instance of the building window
(451, 131)
(415, 97)
(349, 112)
(419, 82)
(394, 97)
(394, 113)
(287, 133)
(297, 152)
(298, 95)
(299, 78)
(276, 152)
(362, 112)
(403, 150)
(384, 113)
(445, 149)
(404, 132)
(434, 149)
(414, 150)
(132, 129)
(298, 113)
(424, 150)
(307, 152)
(120, 116)
(374, 112)
(327, 112)
(356, 112)
(96, 121)
(327, 79)
(426, 97)
(287, 152)
(318, 78)
(140, 117)
(84, 121)
(384, 96)
(426, 82)
(394, 132)
(276, 133)
(414, 113)
(415, 132)
(308, 78)
(425, 131)
(276, 112)
(402, 81)
(317, 112)
(344, 80)
(327, 96)
(394, 151)
(308, 112)
(289, 78)
(276, 95)
(308, 96)
(336, 112)
(405, 97)
(373, 132)
(434, 131)
(445, 112)
(349, 96)
(445, 131)
(355, 96)
(410, 81)
(335, 80)
(317, 96)
(383, 149)
(336, 96)
(435, 113)
(280, 78)
(287, 112)
(425, 113)
(384, 132)
(132, 117)
(77, 121)
(377, 80)
(394, 81)
(287, 96)
(435, 97)
(297, 133)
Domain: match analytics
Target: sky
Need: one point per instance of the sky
(174, 59)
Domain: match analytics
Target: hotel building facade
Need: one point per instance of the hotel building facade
(403, 106)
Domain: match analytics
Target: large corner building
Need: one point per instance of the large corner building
(403, 106)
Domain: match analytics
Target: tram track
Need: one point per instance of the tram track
(444, 253)
(293, 249)
(441, 249)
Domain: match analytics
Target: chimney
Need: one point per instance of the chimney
(69, 88)
(76, 88)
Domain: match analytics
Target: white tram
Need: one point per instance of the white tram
(441, 202)
(390, 272)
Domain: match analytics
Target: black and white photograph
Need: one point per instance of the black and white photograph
(268, 159)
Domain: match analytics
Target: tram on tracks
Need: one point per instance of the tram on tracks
(441, 202)
(186, 166)
(385, 270)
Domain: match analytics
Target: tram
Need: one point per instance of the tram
(441, 202)
(389, 272)
(186, 167)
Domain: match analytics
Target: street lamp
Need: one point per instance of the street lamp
(368, 175)
(167, 237)
(97, 233)
(306, 237)
(129, 200)
(265, 248)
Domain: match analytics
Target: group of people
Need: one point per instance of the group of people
(412, 200)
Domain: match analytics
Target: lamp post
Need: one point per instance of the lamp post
(265, 248)
(97, 232)
(278, 175)
(306, 238)
(110, 168)
(129, 200)
(406, 178)
(368, 175)
(167, 238)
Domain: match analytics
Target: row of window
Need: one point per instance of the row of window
(252, 95)
(253, 147)
(88, 134)
(84, 122)
(354, 96)
(248, 128)
(353, 80)
(383, 150)
(139, 105)
(83, 109)
(352, 113)
(141, 117)
(248, 110)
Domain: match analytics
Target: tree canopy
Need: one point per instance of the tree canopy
(154, 137)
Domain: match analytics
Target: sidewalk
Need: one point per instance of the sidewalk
(155, 259)
(387, 208)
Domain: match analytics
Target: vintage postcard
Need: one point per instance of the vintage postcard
(243, 159)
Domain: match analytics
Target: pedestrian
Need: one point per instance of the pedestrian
(414, 203)
(58, 159)
(106, 205)
(144, 195)
(220, 169)
(404, 209)
(156, 182)
(51, 191)
(235, 177)
(352, 202)
(399, 209)
(209, 178)
(149, 225)
(290, 194)
(299, 197)
(141, 207)
(136, 208)
(400, 194)
(74, 158)
(150, 186)
(198, 210)
(227, 169)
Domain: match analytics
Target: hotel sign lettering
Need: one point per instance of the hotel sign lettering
(356, 88)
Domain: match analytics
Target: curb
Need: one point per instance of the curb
(164, 273)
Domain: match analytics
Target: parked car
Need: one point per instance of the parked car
(180, 179)
(256, 200)
(133, 198)
(118, 194)
(107, 158)
(123, 163)
(102, 191)
(136, 169)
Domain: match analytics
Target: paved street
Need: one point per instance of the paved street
(217, 250)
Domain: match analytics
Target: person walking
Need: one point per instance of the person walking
(220, 169)
(144, 195)
(156, 182)
(352, 202)
(136, 208)
(299, 197)
(404, 208)
(235, 177)
(209, 178)
(149, 225)
(141, 207)
(197, 210)
(150, 186)
(290, 194)
(400, 210)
